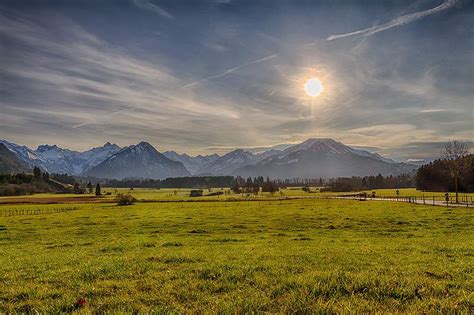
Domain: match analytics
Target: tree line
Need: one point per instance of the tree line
(174, 182)
(357, 183)
(24, 184)
(453, 171)
(437, 176)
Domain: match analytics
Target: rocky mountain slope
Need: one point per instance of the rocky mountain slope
(54, 159)
(192, 163)
(138, 161)
(325, 158)
(310, 159)
(10, 163)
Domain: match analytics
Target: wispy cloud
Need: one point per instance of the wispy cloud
(148, 5)
(61, 80)
(393, 134)
(94, 84)
(433, 110)
(399, 21)
(229, 71)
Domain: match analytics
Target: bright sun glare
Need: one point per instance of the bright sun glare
(313, 87)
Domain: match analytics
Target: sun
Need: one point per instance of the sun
(313, 87)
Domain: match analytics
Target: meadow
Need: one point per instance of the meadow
(183, 194)
(301, 255)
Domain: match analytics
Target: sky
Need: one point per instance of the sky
(210, 76)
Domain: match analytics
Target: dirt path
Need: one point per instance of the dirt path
(419, 201)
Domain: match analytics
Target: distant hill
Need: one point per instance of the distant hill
(10, 163)
(138, 161)
(324, 158)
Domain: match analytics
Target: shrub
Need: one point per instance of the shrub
(125, 199)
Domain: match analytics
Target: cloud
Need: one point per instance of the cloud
(399, 21)
(392, 134)
(433, 110)
(61, 81)
(88, 85)
(229, 71)
(147, 5)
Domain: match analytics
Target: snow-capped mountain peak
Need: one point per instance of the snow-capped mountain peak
(321, 145)
(54, 159)
(22, 151)
(192, 163)
(138, 161)
(313, 157)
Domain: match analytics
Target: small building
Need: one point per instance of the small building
(196, 193)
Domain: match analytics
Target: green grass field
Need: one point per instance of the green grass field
(247, 256)
(175, 195)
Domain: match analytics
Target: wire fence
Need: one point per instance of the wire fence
(17, 212)
(435, 200)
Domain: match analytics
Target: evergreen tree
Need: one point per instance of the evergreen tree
(45, 176)
(37, 173)
(97, 189)
(89, 187)
(77, 188)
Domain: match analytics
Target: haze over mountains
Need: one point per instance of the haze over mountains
(312, 158)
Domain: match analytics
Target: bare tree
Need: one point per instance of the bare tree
(453, 153)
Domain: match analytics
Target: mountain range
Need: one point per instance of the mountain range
(10, 162)
(138, 161)
(54, 159)
(312, 158)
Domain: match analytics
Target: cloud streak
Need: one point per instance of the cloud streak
(229, 71)
(147, 5)
(65, 82)
(433, 110)
(96, 85)
(399, 21)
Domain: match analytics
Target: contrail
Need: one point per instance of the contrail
(113, 114)
(401, 20)
(83, 124)
(147, 5)
(231, 70)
